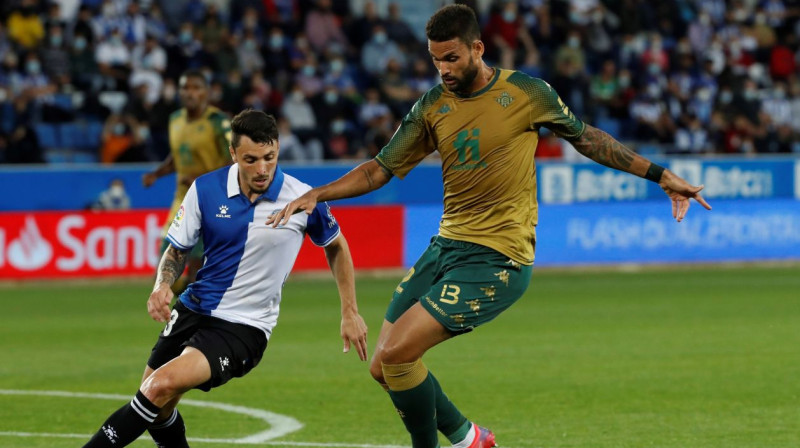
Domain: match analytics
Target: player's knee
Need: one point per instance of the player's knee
(391, 353)
(404, 376)
(160, 388)
(376, 370)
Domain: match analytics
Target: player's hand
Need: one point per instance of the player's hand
(148, 179)
(354, 332)
(680, 192)
(305, 202)
(158, 303)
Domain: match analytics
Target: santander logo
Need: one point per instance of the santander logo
(84, 243)
(29, 251)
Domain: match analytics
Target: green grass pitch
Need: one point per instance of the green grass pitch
(677, 358)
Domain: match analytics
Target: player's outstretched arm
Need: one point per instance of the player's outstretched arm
(604, 149)
(164, 168)
(169, 269)
(362, 179)
(353, 329)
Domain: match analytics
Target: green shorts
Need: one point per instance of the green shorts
(463, 285)
(196, 252)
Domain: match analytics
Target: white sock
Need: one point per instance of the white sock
(468, 439)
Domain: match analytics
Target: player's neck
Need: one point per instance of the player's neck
(197, 113)
(483, 79)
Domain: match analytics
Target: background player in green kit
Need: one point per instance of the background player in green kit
(484, 123)
(199, 136)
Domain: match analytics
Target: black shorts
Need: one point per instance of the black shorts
(231, 349)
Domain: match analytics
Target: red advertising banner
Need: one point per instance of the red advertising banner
(98, 244)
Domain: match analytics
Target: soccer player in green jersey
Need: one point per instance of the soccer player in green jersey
(484, 123)
(199, 136)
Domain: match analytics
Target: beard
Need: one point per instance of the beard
(465, 81)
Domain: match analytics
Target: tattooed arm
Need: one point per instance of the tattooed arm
(604, 149)
(169, 269)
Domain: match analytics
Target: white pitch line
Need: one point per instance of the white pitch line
(281, 425)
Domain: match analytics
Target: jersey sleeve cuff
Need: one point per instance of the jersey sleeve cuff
(176, 244)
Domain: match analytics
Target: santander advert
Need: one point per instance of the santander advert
(101, 244)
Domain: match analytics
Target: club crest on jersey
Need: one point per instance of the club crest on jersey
(504, 99)
(444, 109)
(223, 212)
(275, 212)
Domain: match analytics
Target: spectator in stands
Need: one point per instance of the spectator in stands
(120, 141)
(300, 115)
(262, 95)
(330, 104)
(373, 113)
(342, 140)
(276, 53)
(653, 123)
(53, 17)
(25, 27)
(20, 146)
(378, 51)
(308, 77)
(154, 23)
(249, 25)
(227, 59)
(421, 79)
(249, 54)
(83, 25)
(113, 198)
(84, 71)
(400, 31)
(507, 39)
(397, 91)
(133, 25)
(114, 61)
(603, 88)
(323, 28)
(692, 138)
(292, 149)
(56, 54)
(571, 54)
(149, 63)
(361, 29)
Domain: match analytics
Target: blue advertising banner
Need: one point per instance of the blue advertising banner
(564, 183)
(645, 232)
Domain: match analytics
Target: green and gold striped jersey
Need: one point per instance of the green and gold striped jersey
(487, 143)
(197, 146)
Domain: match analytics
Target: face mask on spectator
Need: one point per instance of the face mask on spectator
(705, 20)
(144, 132)
(338, 126)
(509, 15)
(276, 41)
(704, 94)
(624, 81)
(380, 38)
(169, 93)
(779, 93)
(249, 44)
(761, 19)
(337, 65)
(573, 42)
(725, 97)
(80, 43)
(185, 36)
(750, 94)
(298, 96)
(108, 10)
(119, 129)
(654, 68)
(250, 22)
(33, 67)
(308, 70)
(331, 96)
(55, 40)
(116, 39)
(653, 91)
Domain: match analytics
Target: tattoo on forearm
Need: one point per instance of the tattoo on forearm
(171, 266)
(603, 148)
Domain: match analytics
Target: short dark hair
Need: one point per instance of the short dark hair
(453, 21)
(195, 73)
(257, 125)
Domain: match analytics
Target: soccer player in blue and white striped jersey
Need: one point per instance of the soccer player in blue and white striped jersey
(220, 326)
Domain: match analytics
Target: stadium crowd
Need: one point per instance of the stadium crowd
(98, 77)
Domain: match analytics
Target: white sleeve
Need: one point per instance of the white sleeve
(184, 232)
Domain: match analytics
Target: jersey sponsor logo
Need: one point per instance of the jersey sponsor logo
(444, 109)
(223, 212)
(504, 99)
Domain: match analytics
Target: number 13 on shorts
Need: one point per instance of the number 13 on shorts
(450, 294)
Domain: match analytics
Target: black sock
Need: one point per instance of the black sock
(125, 425)
(171, 433)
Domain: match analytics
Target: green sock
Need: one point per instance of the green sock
(417, 408)
(449, 419)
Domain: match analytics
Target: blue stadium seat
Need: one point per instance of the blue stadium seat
(94, 132)
(48, 135)
(9, 117)
(63, 101)
(610, 125)
(85, 157)
(71, 135)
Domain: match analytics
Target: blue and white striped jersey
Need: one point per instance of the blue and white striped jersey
(245, 261)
